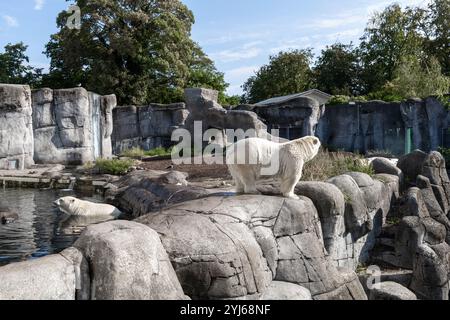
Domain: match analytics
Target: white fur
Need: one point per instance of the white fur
(76, 207)
(261, 153)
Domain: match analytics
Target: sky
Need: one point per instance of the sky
(239, 35)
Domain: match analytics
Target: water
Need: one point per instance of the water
(41, 228)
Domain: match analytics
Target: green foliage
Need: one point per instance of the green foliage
(337, 70)
(140, 50)
(338, 100)
(159, 152)
(14, 68)
(446, 154)
(287, 73)
(114, 166)
(414, 78)
(133, 153)
(389, 36)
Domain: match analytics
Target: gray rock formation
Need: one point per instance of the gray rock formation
(285, 291)
(391, 291)
(48, 278)
(16, 129)
(71, 126)
(231, 247)
(146, 127)
(127, 262)
(208, 114)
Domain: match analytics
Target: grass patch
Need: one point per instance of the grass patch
(134, 153)
(115, 167)
(331, 164)
(158, 152)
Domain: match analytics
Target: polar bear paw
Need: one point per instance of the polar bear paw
(291, 196)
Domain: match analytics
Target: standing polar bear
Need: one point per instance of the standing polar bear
(76, 207)
(252, 158)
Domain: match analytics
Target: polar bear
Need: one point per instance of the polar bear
(76, 207)
(252, 158)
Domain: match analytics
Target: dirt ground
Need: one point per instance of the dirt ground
(196, 172)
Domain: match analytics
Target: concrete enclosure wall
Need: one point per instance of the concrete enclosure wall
(16, 130)
(71, 126)
(146, 127)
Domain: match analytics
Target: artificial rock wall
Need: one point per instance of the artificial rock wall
(146, 127)
(16, 130)
(71, 126)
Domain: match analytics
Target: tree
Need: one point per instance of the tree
(337, 70)
(138, 49)
(287, 73)
(437, 29)
(14, 68)
(414, 78)
(389, 36)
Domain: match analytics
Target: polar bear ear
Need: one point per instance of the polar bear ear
(316, 141)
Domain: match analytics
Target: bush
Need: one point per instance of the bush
(160, 151)
(330, 164)
(338, 99)
(133, 153)
(115, 166)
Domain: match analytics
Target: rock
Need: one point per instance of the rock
(128, 262)
(48, 278)
(357, 220)
(16, 129)
(285, 291)
(146, 127)
(147, 193)
(391, 291)
(411, 165)
(430, 276)
(330, 204)
(434, 169)
(383, 165)
(67, 127)
(232, 247)
(175, 178)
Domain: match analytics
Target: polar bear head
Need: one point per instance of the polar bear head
(309, 147)
(68, 205)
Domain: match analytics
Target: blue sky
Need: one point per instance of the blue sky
(239, 35)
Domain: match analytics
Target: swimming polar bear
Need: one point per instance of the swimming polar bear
(76, 207)
(252, 158)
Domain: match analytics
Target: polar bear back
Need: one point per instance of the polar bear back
(252, 151)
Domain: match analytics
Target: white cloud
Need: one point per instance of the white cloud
(242, 72)
(245, 52)
(10, 21)
(39, 4)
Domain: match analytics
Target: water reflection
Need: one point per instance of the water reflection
(40, 229)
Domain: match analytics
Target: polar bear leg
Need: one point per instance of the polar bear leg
(289, 181)
(234, 171)
(248, 176)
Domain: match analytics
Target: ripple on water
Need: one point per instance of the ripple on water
(41, 229)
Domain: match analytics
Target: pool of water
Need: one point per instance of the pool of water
(41, 228)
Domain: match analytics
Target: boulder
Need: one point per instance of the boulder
(411, 165)
(128, 262)
(391, 291)
(383, 165)
(285, 291)
(48, 278)
(357, 219)
(330, 204)
(145, 192)
(232, 247)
